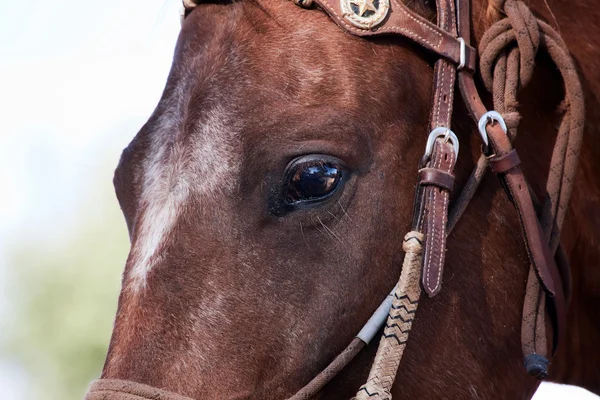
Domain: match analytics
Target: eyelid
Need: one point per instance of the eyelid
(317, 159)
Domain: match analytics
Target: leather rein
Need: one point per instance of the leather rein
(507, 56)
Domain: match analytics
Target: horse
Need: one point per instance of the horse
(267, 196)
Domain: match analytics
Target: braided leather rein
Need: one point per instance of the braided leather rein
(507, 49)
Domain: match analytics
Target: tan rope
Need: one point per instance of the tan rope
(505, 68)
(398, 325)
(508, 51)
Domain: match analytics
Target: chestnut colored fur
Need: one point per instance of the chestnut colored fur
(241, 300)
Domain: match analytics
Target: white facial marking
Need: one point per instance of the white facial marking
(203, 166)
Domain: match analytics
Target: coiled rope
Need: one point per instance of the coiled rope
(508, 50)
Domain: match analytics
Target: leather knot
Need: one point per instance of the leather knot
(520, 27)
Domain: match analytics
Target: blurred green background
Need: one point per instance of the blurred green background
(66, 295)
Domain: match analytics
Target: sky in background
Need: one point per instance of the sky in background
(77, 80)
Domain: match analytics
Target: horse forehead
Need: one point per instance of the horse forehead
(203, 163)
(198, 158)
(181, 169)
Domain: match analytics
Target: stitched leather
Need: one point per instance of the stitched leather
(436, 177)
(403, 21)
(435, 199)
(435, 220)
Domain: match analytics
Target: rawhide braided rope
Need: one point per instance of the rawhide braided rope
(399, 321)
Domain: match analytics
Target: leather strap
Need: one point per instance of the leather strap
(518, 189)
(432, 201)
(514, 181)
(504, 163)
(435, 201)
(537, 247)
(403, 21)
(115, 389)
(436, 177)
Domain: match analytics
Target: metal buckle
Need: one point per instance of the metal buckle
(440, 131)
(485, 119)
(463, 53)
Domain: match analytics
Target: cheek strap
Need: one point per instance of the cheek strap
(113, 389)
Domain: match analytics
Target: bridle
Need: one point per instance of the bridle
(507, 49)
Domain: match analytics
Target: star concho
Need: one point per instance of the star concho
(365, 14)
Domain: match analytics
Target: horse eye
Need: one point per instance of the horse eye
(312, 180)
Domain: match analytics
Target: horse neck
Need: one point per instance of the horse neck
(577, 360)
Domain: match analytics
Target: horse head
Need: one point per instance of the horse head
(266, 200)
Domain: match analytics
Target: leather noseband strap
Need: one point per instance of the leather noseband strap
(114, 389)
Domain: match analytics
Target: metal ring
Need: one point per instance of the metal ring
(463, 53)
(486, 119)
(440, 131)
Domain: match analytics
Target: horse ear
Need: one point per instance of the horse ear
(188, 4)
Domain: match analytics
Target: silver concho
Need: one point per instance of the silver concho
(365, 14)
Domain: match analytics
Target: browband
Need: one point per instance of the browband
(403, 21)
(392, 17)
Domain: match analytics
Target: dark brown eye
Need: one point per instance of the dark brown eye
(312, 180)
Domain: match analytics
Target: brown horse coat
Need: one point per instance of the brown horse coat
(230, 294)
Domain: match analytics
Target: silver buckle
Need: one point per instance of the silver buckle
(444, 132)
(485, 119)
(463, 53)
